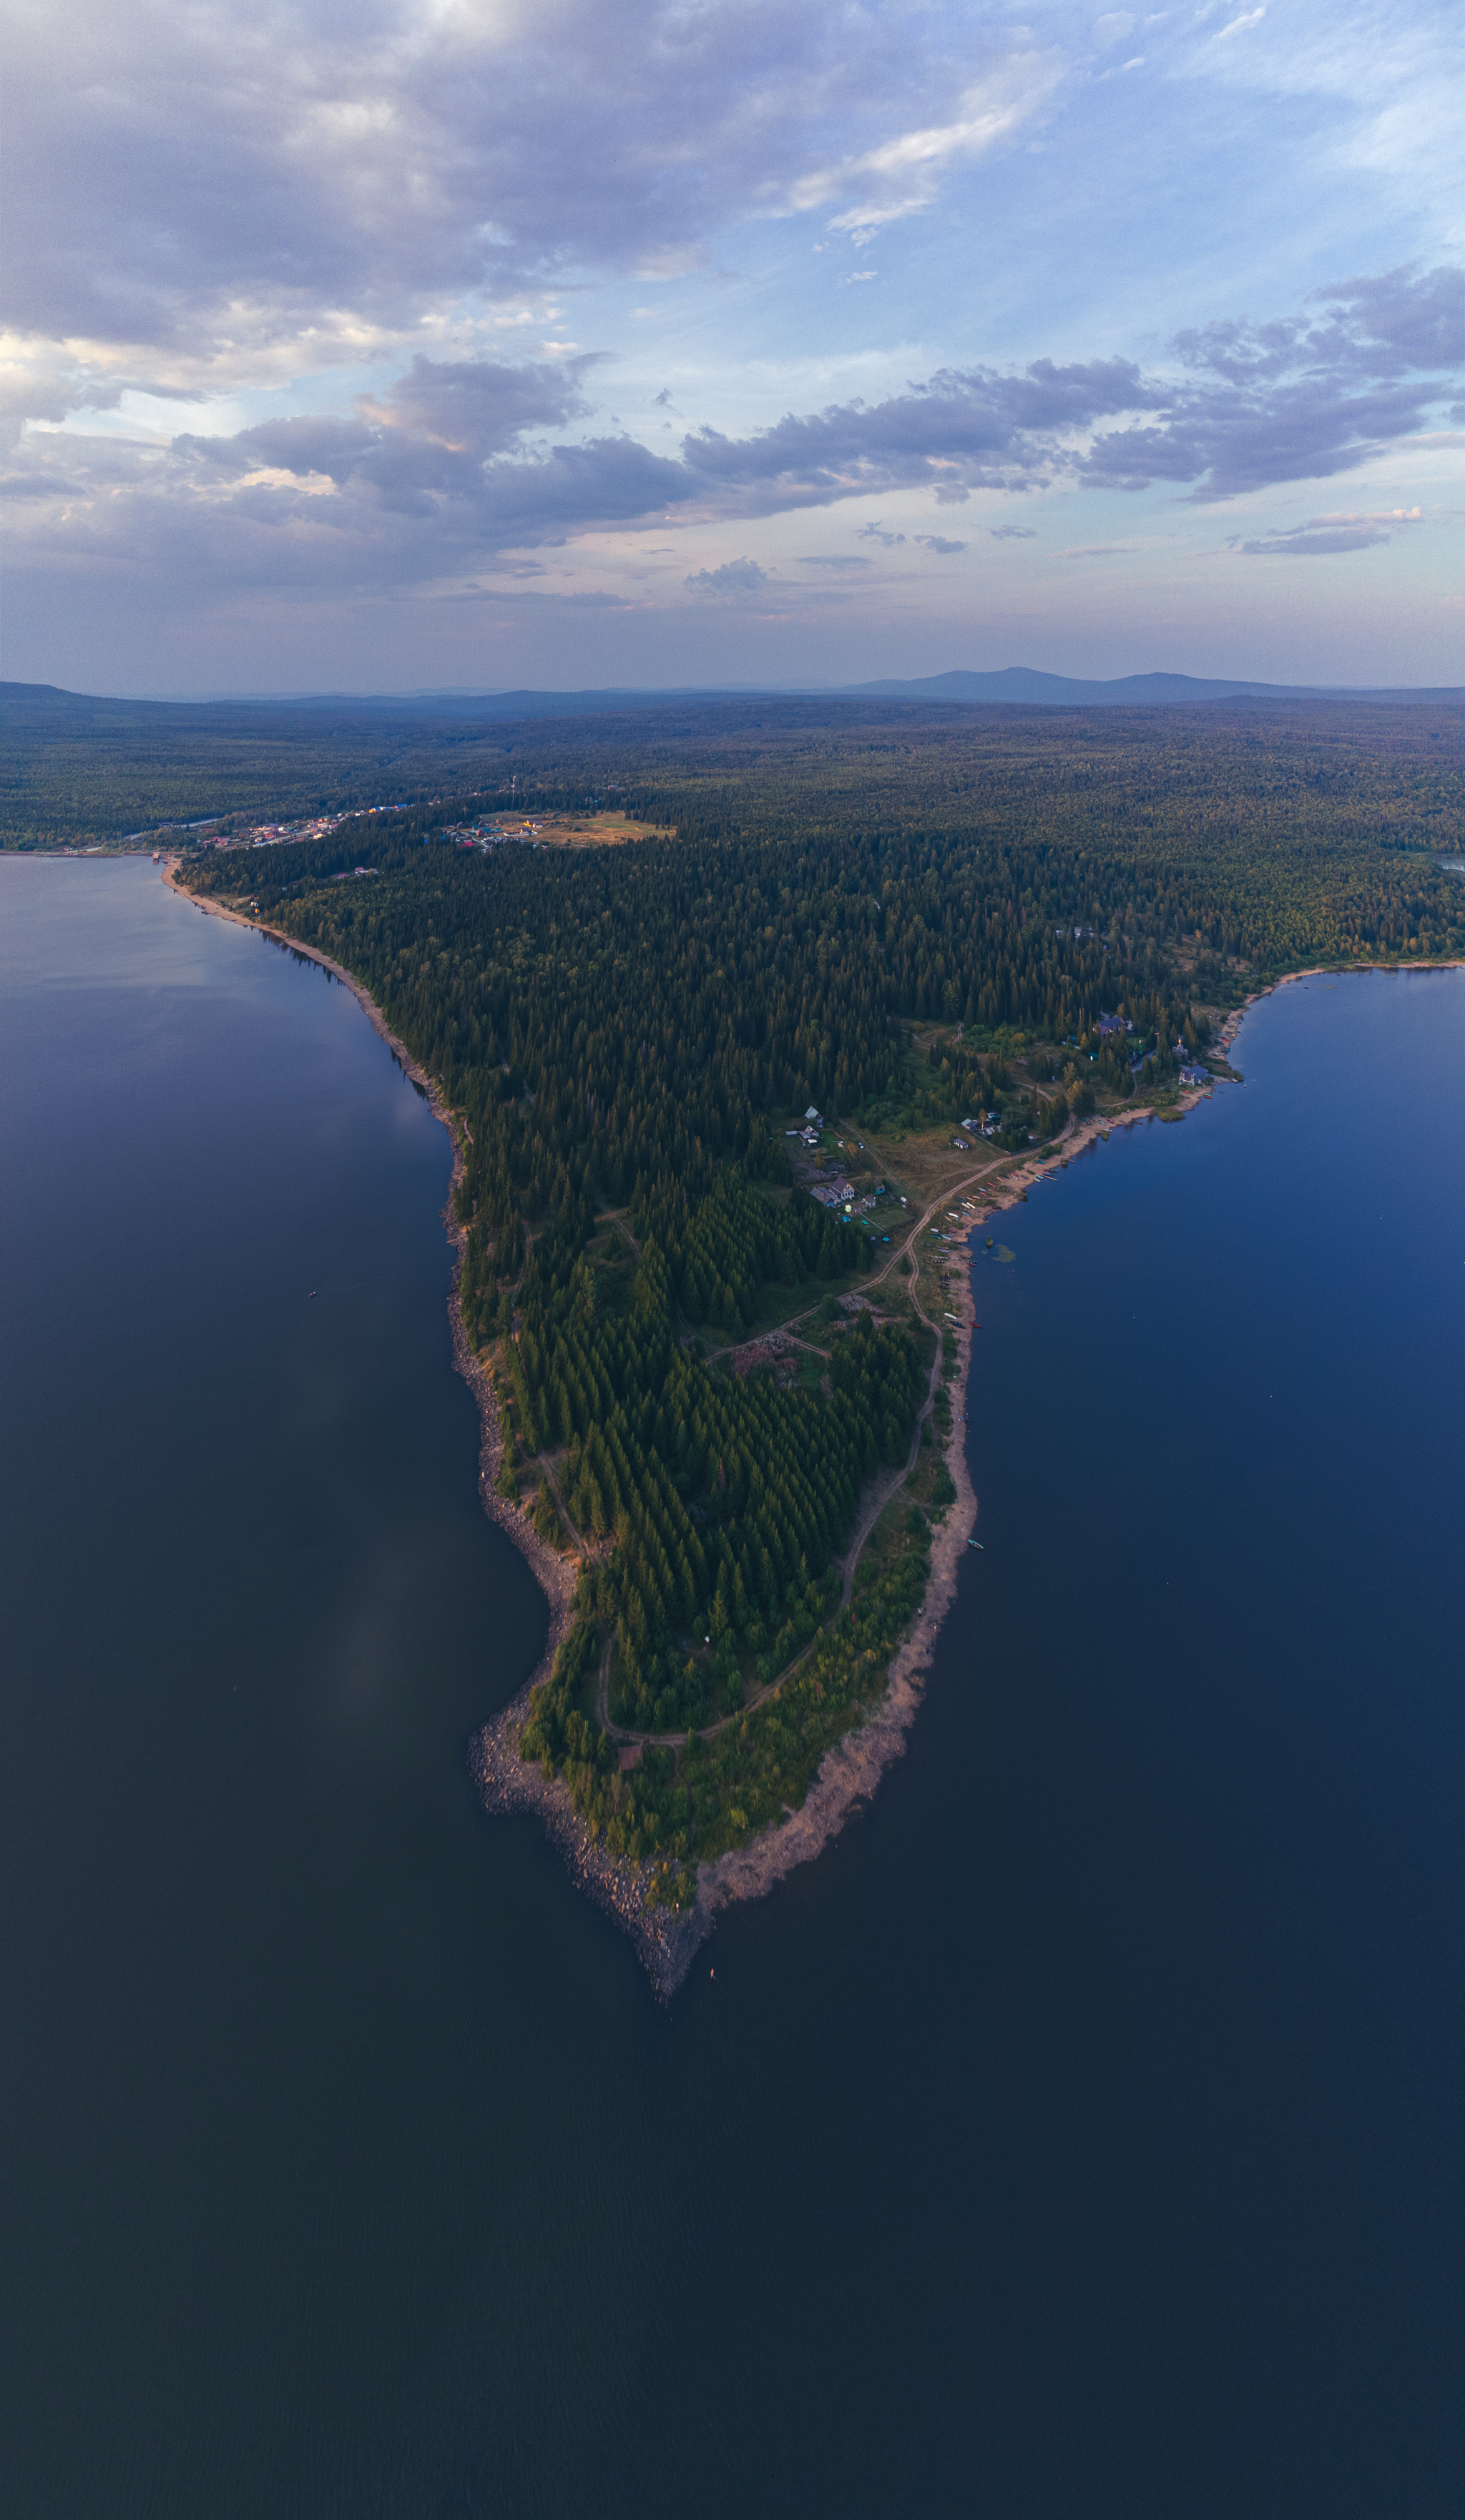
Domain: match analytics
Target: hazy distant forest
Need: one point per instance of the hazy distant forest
(74, 770)
(877, 911)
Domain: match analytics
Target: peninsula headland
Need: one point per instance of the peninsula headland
(732, 1089)
(742, 1041)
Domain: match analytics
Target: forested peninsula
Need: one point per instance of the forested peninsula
(743, 1028)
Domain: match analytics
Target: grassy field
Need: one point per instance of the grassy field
(596, 831)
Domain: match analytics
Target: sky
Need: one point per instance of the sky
(468, 345)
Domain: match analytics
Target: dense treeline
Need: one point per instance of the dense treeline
(616, 1023)
(625, 1033)
(722, 1248)
(1161, 780)
(722, 1789)
(727, 1499)
(1178, 781)
(1271, 836)
(74, 769)
(613, 1018)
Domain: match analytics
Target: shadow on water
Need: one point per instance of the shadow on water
(1081, 2136)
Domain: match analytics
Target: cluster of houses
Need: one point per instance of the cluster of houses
(490, 835)
(840, 1194)
(265, 836)
(271, 835)
(1191, 1070)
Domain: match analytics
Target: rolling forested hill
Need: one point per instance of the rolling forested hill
(74, 770)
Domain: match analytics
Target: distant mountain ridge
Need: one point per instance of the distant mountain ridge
(1024, 687)
(39, 707)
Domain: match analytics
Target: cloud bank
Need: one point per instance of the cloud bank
(459, 462)
(190, 187)
(444, 244)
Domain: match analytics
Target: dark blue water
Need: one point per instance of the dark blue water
(1081, 2136)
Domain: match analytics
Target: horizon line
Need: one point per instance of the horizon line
(881, 686)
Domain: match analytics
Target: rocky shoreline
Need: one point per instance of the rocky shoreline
(849, 1772)
(667, 1940)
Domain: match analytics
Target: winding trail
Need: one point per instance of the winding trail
(565, 1516)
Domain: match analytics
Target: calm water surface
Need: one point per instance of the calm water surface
(1081, 2136)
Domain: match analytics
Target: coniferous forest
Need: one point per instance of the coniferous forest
(906, 923)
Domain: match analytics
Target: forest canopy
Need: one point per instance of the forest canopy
(79, 770)
(625, 1035)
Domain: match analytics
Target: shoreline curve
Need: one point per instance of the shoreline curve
(668, 1941)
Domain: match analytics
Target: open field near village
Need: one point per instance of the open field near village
(588, 831)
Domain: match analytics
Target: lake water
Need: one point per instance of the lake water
(1080, 2137)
